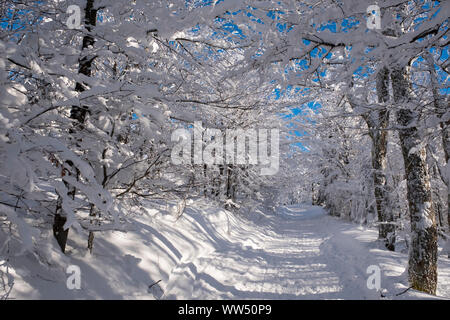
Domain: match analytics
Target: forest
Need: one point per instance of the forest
(145, 142)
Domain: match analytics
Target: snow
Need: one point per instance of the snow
(298, 252)
(86, 118)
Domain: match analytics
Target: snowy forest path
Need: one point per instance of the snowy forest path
(298, 253)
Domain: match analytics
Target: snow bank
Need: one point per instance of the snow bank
(298, 252)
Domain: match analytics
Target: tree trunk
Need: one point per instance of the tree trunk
(445, 127)
(446, 143)
(422, 268)
(441, 107)
(85, 62)
(78, 113)
(377, 121)
(59, 232)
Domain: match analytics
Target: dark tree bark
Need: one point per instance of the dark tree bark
(230, 187)
(78, 113)
(446, 144)
(59, 232)
(441, 108)
(422, 267)
(85, 62)
(377, 121)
